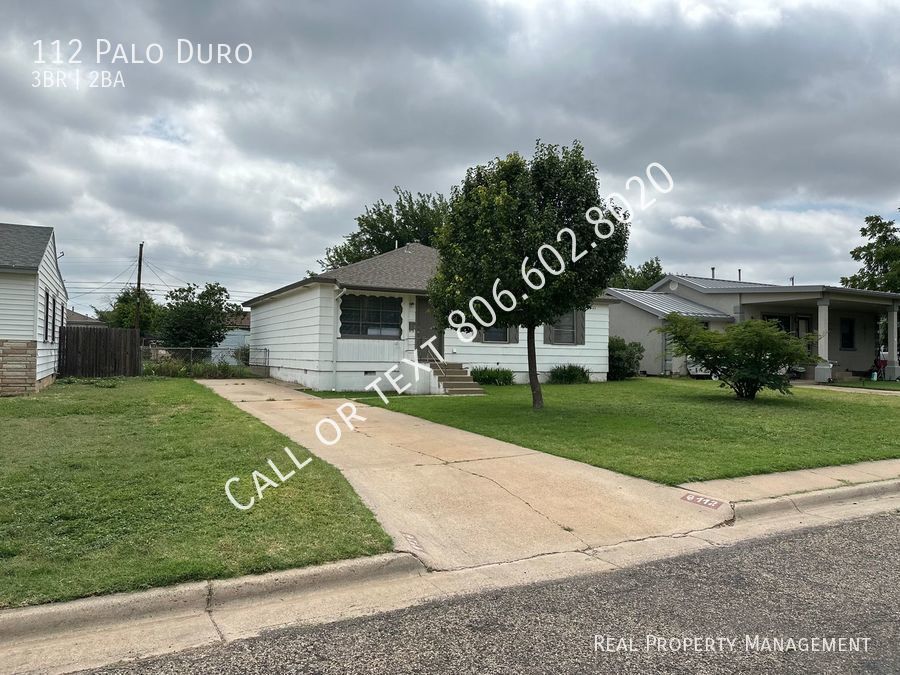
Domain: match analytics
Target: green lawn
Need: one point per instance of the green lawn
(674, 431)
(868, 384)
(117, 488)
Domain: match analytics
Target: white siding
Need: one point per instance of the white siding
(49, 279)
(17, 293)
(300, 329)
(297, 329)
(593, 354)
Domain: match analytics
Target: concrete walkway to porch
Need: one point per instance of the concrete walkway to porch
(456, 499)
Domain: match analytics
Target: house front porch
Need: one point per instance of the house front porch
(858, 327)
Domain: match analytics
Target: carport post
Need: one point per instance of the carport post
(892, 370)
(823, 369)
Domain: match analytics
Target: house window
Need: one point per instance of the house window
(496, 334)
(53, 331)
(848, 333)
(370, 316)
(46, 316)
(783, 321)
(563, 331)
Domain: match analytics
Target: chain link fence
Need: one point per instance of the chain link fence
(159, 358)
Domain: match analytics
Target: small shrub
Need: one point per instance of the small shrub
(570, 373)
(624, 358)
(748, 357)
(496, 376)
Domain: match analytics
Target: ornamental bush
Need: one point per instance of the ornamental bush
(748, 357)
(570, 373)
(624, 358)
(495, 376)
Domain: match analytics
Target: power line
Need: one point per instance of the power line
(113, 280)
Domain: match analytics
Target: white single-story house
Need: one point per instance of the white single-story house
(845, 319)
(33, 301)
(341, 329)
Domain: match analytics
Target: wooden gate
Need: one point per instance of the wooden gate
(86, 351)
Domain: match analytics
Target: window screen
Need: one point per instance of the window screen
(370, 316)
(496, 334)
(563, 331)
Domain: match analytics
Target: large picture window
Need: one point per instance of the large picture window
(370, 316)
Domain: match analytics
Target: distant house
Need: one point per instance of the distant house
(238, 336)
(343, 328)
(846, 319)
(33, 301)
(74, 318)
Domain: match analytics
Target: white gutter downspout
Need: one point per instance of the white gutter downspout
(334, 340)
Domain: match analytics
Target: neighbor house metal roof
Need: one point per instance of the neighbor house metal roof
(663, 304)
(406, 269)
(22, 246)
(707, 282)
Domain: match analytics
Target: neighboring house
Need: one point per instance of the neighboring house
(845, 319)
(32, 308)
(343, 328)
(238, 336)
(73, 319)
(638, 315)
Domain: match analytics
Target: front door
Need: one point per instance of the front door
(425, 329)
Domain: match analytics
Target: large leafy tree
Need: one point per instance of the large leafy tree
(880, 257)
(121, 313)
(506, 212)
(384, 227)
(748, 357)
(639, 278)
(197, 319)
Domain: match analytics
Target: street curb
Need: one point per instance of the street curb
(196, 597)
(322, 577)
(806, 500)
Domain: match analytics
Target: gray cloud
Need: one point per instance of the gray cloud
(778, 124)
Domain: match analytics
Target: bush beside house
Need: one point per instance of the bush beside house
(624, 358)
(570, 373)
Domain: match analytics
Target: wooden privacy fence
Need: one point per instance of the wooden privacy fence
(85, 351)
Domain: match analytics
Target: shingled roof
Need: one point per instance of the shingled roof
(22, 246)
(407, 269)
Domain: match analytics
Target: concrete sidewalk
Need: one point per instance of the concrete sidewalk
(766, 486)
(456, 500)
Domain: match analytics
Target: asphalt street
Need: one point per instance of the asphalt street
(674, 616)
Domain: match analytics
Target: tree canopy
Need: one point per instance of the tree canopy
(122, 311)
(748, 356)
(518, 246)
(880, 257)
(639, 278)
(193, 319)
(384, 227)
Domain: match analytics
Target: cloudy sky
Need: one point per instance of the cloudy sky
(780, 123)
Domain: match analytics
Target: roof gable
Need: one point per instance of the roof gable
(22, 247)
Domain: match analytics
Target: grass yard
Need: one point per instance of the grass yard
(674, 431)
(889, 385)
(120, 486)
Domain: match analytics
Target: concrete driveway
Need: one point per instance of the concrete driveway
(456, 499)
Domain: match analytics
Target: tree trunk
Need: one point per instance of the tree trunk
(537, 398)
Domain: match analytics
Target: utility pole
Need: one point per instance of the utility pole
(137, 313)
